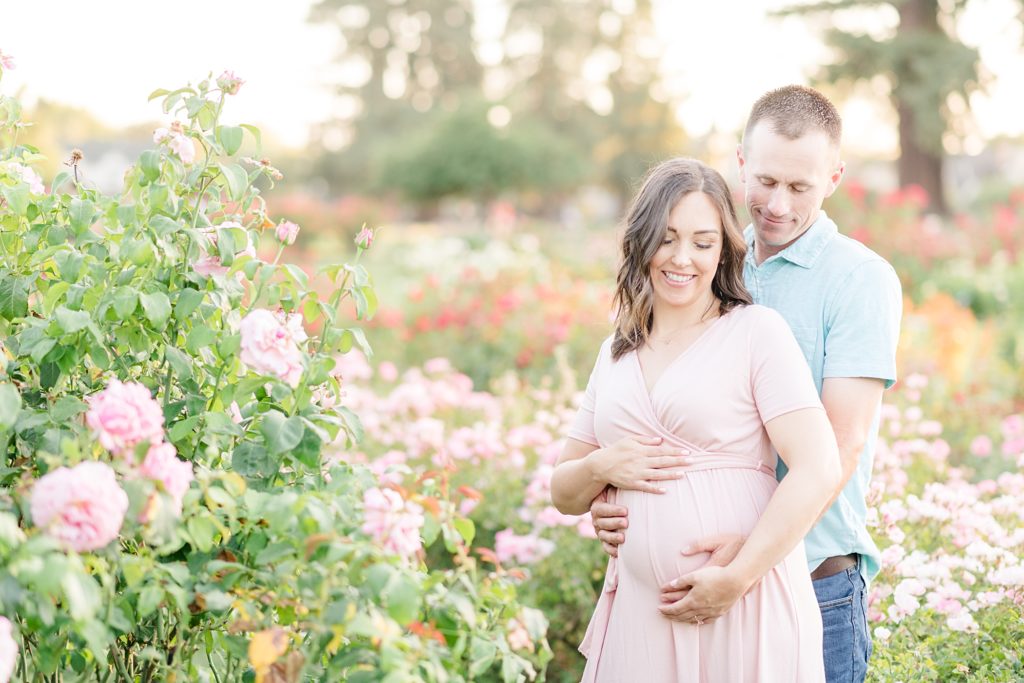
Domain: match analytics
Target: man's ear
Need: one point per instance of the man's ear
(836, 178)
(740, 161)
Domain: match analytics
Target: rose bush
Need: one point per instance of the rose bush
(948, 601)
(169, 510)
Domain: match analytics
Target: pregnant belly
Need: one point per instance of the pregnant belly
(701, 504)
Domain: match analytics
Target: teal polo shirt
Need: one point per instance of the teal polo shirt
(843, 303)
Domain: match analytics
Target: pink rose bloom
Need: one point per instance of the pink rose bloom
(162, 465)
(365, 238)
(287, 231)
(229, 83)
(270, 345)
(83, 507)
(962, 621)
(124, 415)
(8, 650)
(387, 371)
(235, 412)
(184, 148)
(523, 549)
(1013, 426)
(437, 366)
(585, 527)
(29, 176)
(179, 142)
(394, 523)
(518, 636)
(7, 62)
(981, 446)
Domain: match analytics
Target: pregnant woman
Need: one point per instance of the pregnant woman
(687, 404)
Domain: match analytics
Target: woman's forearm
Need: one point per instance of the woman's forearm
(574, 486)
(792, 511)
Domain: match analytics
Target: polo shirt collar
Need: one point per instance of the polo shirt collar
(808, 247)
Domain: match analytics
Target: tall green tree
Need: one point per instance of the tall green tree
(402, 58)
(590, 69)
(925, 63)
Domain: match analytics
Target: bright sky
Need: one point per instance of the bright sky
(108, 55)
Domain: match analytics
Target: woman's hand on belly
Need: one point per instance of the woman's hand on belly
(638, 463)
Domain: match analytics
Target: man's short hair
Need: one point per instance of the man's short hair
(793, 110)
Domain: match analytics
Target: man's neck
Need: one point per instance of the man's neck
(763, 252)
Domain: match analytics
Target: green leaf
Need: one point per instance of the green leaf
(255, 132)
(253, 460)
(71, 321)
(82, 594)
(466, 529)
(298, 275)
(237, 180)
(481, 656)
(157, 308)
(149, 600)
(125, 301)
(81, 213)
(10, 405)
(202, 531)
(187, 302)
(281, 433)
(149, 162)
(66, 408)
(199, 338)
(17, 198)
(221, 423)
(13, 297)
(179, 430)
(230, 138)
(402, 598)
(42, 348)
(159, 92)
(164, 226)
(180, 362)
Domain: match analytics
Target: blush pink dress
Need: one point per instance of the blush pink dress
(713, 399)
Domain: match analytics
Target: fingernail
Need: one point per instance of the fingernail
(687, 549)
(661, 490)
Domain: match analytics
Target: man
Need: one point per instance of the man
(843, 303)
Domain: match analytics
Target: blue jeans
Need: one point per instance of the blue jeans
(842, 599)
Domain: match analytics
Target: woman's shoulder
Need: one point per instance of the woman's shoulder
(755, 314)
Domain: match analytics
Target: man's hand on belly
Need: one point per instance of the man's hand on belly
(723, 549)
(709, 593)
(610, 523)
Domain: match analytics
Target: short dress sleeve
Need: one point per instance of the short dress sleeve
(583, 428)
(780, 378)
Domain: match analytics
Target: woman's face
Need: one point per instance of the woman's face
(686, 262)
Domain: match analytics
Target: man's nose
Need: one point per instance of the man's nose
(778, 202)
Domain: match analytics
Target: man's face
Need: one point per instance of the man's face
(785, 181)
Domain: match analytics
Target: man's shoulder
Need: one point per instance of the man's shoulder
(848, 251)
(846, 261)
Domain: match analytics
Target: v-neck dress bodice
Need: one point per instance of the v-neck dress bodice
(713, 400)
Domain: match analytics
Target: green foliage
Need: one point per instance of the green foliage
(462, 154)
(267, 572)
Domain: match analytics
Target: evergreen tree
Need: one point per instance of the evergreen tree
(925, 63)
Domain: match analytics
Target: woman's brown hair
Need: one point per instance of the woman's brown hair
(646, 224)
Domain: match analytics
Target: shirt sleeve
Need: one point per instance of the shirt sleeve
(863, 324)
(583, 428)
(780, 378)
